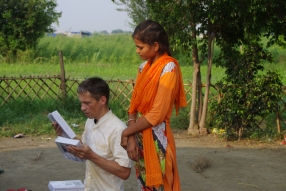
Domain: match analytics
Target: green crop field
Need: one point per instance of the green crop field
(107, 56)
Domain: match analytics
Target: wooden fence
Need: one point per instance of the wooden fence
(53, 87)
(58, 88)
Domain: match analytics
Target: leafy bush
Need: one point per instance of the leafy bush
(246, 98)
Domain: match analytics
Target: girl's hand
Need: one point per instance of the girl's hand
(132, 149)
(124, 141)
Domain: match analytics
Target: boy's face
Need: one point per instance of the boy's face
(90, 106)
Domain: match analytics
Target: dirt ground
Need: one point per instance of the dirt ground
(32, 162)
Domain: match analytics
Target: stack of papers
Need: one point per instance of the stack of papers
(67, 185)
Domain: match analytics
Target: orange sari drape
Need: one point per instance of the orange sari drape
(142, 100)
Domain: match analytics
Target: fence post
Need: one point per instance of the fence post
(278, 122)
(63, 76)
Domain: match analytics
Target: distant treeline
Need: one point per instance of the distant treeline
(117, 31)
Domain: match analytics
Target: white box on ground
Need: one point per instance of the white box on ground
(66, 185)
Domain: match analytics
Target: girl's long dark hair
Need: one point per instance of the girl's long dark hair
(150, 32)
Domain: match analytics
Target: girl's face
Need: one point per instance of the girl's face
(146, 51)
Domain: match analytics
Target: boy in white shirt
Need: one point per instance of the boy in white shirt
(107, 163)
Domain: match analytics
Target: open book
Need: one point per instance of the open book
(62, 142)
(67, 131)
(68, 185)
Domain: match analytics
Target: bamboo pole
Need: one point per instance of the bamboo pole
(63, 77)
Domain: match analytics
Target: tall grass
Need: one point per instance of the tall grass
(108, 56)
(95, 49)
(24, 116)
(30, 118)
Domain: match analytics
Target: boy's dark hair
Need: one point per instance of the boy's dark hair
(96, 86)
(151, 31)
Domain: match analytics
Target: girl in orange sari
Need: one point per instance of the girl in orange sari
(148, 139)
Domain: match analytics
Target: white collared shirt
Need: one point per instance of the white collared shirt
(104, 139)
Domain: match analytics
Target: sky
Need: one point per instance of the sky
(91, 15)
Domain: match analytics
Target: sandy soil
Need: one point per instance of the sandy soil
(32, 162)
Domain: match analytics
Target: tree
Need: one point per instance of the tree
(228, 23)
(136, 10)
(23, 22)
(117, 31)
(246, 98)
(180, 20)
(185, 21)
(103, 32)
(194, 26)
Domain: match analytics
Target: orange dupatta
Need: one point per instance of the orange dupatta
(142, 100)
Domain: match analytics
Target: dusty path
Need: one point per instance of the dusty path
(31, 162)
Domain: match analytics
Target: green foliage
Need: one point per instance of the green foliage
(24, 116)
(34, 120)
(119, 109)
(122, 71)
(136, 10)
(125, 65)
(194, 26)
(246, 97)
(95, 49)
(181, 121)
(47, 63)
(91, 52)
(104, 32)
(268, 133)
(23, 22)
(120, 31)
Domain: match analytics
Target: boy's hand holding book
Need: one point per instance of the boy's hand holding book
(84, 152)
(66, 141)
(68, 146)
(58, 129)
